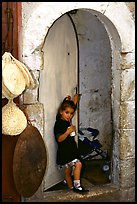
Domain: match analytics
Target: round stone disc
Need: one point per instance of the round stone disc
(29, 161)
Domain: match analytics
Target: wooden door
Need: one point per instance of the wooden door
(57, 80)
(10, 25)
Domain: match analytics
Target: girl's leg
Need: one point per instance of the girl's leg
(77, 173)
(77, 170)
(68, 177)
(77, 181)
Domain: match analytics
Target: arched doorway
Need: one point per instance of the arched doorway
(87, 66)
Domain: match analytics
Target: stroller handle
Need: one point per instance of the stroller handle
(93, 132)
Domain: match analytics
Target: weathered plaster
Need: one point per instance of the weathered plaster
(47, 12)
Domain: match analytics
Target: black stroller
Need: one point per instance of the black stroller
(90, 148)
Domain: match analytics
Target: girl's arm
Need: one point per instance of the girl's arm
(76, 98)
(62, 137)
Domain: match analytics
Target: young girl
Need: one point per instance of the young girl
(67, 152)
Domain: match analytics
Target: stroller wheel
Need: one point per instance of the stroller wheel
(105, 167)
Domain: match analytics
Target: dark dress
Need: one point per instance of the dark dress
(67, 149)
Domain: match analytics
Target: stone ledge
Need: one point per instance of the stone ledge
(99, 193)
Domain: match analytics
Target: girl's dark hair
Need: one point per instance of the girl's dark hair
(66, 103)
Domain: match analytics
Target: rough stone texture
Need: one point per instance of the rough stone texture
(35, 113)
(131, 6)
(127, 195)
(37, 59)
(127, 115)
(127, 143)
(101, 193)
(127, 175)
(128, 60)
(115, 158)
(30, 96)
(128, 85)
(128, 37)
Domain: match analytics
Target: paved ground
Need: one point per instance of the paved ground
(102, 193)
(94, 179)
(97, 193)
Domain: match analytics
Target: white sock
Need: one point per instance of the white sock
(71, 187)
(76, 183)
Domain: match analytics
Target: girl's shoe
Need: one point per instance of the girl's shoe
(80, 189)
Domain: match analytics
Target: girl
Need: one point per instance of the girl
(67, 152)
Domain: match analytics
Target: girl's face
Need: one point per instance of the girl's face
(67, 114)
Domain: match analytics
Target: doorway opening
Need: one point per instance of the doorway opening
(94, 83)
(93, 70)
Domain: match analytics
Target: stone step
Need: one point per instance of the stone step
(97, 193)
(103, 193)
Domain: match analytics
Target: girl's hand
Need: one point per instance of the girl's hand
(70, 129)
(76, 98)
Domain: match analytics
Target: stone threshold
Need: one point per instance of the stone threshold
(97, 193)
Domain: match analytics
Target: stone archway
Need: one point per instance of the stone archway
(45, 14)
(109, 13)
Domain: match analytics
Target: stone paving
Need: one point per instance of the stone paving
(97, 193)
